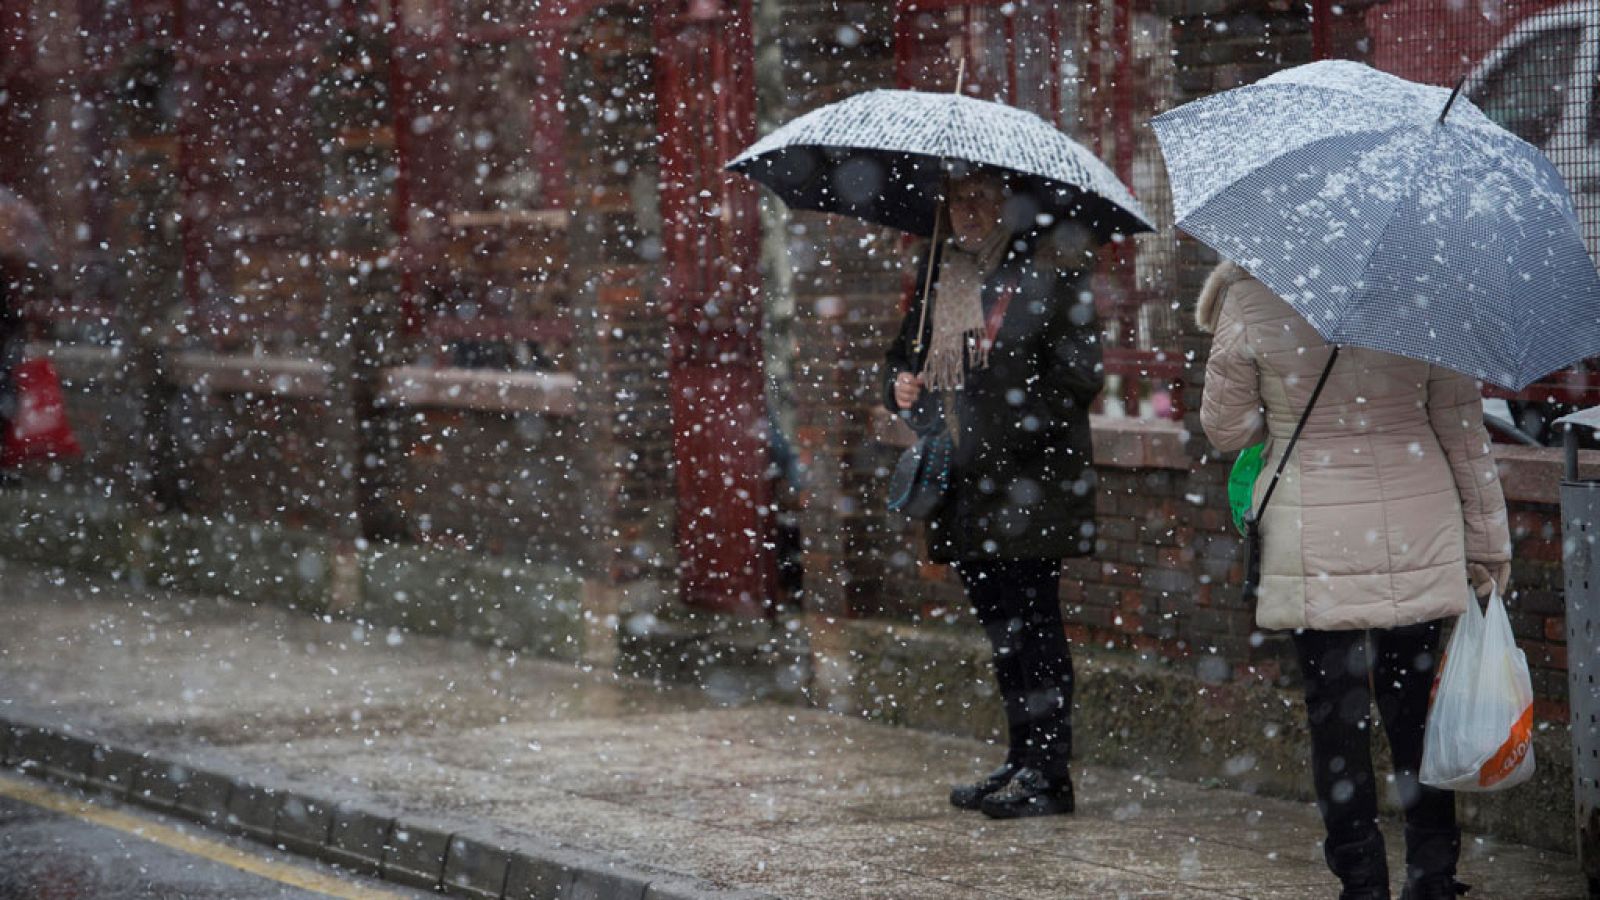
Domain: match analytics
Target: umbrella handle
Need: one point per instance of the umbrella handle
(927, 278)
(933, 246)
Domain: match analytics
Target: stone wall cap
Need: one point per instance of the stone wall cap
(1120, 443)
(239, 373)
(1533, 474)
(551, 393)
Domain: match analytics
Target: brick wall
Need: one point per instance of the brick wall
(502, 483)
(1538, 609)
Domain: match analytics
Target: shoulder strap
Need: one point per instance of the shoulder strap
(1284, 459)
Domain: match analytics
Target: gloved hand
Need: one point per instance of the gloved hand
(1488, 577)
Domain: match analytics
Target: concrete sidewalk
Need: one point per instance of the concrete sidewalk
(662, 786)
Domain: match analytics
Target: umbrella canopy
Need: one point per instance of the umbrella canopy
(1444, 239)
(24, 238)
(882, 155)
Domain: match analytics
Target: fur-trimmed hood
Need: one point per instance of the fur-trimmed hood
(1209, 307)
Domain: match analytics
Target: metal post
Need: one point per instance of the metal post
(1570, 443)
(1580, 526)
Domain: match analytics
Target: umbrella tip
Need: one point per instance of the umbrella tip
(1451, 102)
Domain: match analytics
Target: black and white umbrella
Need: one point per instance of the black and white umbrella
(1391, 215)
(882, 156)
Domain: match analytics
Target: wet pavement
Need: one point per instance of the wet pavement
(793, 802)
(47, 854)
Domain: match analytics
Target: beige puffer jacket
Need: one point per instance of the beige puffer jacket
(1392, 487)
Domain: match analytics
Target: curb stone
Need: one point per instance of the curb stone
(540, 877)
(303, 823)
(252, 810)
(56, 756)
(476, 869)
(205, 798)
(356, 839)
(157, 783)
(415, 855)
(112, 772)
(360, 837)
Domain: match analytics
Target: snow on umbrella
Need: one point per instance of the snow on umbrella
(880, 156)
(1393, 216)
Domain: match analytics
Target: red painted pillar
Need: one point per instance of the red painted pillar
(710, 289)
(15, 90)
(1321, 28)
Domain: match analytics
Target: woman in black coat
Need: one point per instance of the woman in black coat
(1016, 396)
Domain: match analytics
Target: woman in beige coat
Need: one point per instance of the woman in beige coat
(1388, 508)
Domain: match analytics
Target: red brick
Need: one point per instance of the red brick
(1551, 711)
(1545, 550)
(1555, 630)
(1546, 656)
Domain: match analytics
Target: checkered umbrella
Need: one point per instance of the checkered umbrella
(1393, 216)
(882, 156)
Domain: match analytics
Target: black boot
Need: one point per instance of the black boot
(1361, 867)
(1431, 855)
(970, 796)
(1030, 793)
(1441, 887)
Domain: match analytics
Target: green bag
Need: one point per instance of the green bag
(1242, 483)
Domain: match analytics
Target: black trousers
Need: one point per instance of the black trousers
(1018, 603)
(1401, 663)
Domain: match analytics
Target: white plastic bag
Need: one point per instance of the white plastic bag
(1480, 726)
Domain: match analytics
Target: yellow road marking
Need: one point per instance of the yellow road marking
(216, 851)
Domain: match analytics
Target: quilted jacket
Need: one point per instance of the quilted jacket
(1392, 487)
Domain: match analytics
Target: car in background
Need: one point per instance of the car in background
(1542, 83)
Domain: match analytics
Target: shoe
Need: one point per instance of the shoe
(1431, 855)
(1030, 793)
(970, 796)
(1361, 866)
(1434, 887)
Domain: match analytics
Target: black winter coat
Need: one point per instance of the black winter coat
(1024, 482)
